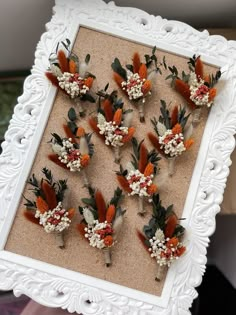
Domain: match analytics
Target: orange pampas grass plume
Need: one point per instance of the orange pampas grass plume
(129, 135)
(85, 160)
(170, 225)
(188, 143)
(89, 82)
(101, 206)
(71, 213)
(30, 216)
(146, 87)
(69, 133)
(181, 250)
(80, 132)
(177, 129)
(54, 158)
(118, 79)
(136, 62)
(212, 94)
(72, 66)
(111, 211)
(107, 107)
(149, 169)
(93, 125)
(41, 205)
(174, 116)
(50, 195)
(52, 78)
(183, 89)
(63, 62)
(124, 183)
(80, 228)
(143, 71)
(142, 239)
(155, 142)
(199, 68)
(117, 117)
(152, 189)
(143, 158)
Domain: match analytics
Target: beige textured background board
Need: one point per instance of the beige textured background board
(132, 266)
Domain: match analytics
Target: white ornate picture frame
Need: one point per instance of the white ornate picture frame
(57, 287)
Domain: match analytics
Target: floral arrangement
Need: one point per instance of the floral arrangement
(163, 236)
(138, 177)
(70, 75)
(113, 123)
(135, 80)
(196, 87)
(172, 138)
(75, 151)
(48, 210)
(102, 223)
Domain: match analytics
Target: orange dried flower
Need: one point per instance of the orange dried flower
(29, 215)
(146, 87)
(177, 129)
(118, 79)
(71, 213)
(85, 160)
(80, 132)
(170, 225)
(212, 94)
(143, 71)
(117, 116)
(63, 62)
(136, 62)
(180, 251)
(110, 213)
(108, 240)
(89, 82)
(149, 169)
(172, 242)
(152, 189)
(80, 228)
(72, 66)
(174, 116)
(49, 194)
(124, 183)
(41, 205)
(129, 135)
(199, 68)
(188, 143)
(107, 107)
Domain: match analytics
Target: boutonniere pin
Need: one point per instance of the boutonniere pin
(135, 79)
(75, 151)
(70, 75)
(47, 209)
(196, 87)
(172, 138)
(163, 236)
(113, 123)
(138, 177)
(102, 222)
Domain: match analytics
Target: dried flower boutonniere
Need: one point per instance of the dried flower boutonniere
(113, 123)
(74, 151)
(48, 210)
(162, 236)
(135, 80)
(196, 87)
(172, 136)
(137, 178)
(70, 75)
(102, 223)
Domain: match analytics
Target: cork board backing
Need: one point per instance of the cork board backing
(131, 265)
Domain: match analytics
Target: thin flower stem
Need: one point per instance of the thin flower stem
(171, 166)
(196, 116)
(159, 274)
(85, 178)
(59, 237)
(140, 206)
(141, 111)
(117, 154)
(107, 256)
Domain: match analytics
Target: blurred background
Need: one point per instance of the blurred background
(21, 25)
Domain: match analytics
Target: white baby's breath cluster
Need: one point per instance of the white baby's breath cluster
(133, 85)
(199, 92)
(73, 84)
(113, 133)
(55, 220)
(97, 232)
(160, 250)
(139, 183)
(69, 155)
(172, 144)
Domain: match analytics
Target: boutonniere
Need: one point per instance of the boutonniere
(196, 87)
(102, 222)
(113, 123)
(163, 236)
(135, 79)
(75, 151)
(138, 177)
(47, 209)
(70, 75)
(172, 137)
